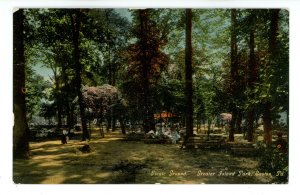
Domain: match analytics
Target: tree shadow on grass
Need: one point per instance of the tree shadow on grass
(227, 169)
(113, 161)
(57, 163)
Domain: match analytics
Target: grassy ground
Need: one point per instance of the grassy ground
(114, 160)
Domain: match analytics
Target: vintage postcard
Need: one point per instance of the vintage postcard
(150, 96)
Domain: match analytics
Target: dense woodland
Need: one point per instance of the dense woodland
(120, 67)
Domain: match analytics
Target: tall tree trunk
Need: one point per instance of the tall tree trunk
(111, 71)
(108, 119)
(197, 125)
(58, 102)
(232, 122)
(20, 129)
(57, 96)
(233, 73)
(188, 74)
(251, 81)
(75, 19)
(123, 129)
(65, 92)
(147, 118)
(113, 123)
(208, 127)
(267, 119)
(72, 117)
(68, 113)
(239, 121)
(107, 12)
(267, 122)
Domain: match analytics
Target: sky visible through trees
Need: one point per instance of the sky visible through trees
(122, 68)
(106, 37)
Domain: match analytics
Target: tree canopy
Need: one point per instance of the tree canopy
(194, 63)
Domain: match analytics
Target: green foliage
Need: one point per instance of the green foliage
(273, 159)
(271, 82)
(110, 35)
(47, 110)
(147, 52)
(146, 61)
(169, 96)
(35, 89)
(114, 50)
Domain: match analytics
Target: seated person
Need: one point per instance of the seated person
(281, 144)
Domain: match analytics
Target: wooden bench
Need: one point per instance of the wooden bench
(134, 136)
(213, 141)
(242, 149)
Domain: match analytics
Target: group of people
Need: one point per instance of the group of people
(171, 132)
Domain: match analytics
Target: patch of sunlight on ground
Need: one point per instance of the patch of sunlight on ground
(53, 162)
(53, 179)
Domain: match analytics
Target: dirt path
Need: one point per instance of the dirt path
(114, 160)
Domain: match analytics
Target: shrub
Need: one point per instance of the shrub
(274, 159)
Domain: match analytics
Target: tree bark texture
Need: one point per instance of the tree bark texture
(75, 19)
(20, 129)
(65, 97)
(252, 79)
(233, 74)
(145, 60)
(267, 114)
(188, 74)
